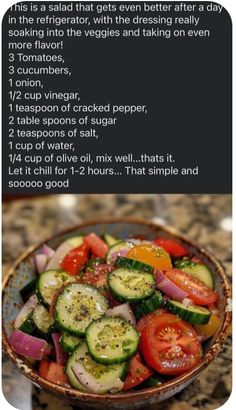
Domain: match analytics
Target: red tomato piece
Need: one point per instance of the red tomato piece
(198, 291)
(75, 259)
(138, 372)
(173, 248)
(98, 247)
(98, 276)
(43, 368)
(146, 320)
(169, 345)
(53, 372)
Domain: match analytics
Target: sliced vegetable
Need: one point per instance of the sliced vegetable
(119, 249)
(76, 306)
(69, 342)
(76, 259)
(98, 276)
(194, 315)
(147, 319)
(152, 255)
(29, 289)
(168, 287)
(40, 262)
(110, 240)
(198, 270)
(138, 372)
(50, 282)
(173, 248)
(85, 374)
(75, 241)
(61, 356)
(42, 319)
(200, 293)
(27, 345)
(124, 311)
(128, 263)
(48, 251)
(170, 346)
(111, 340)
(23, 320)
(148, 305)
(210, 328)
(94, 262)
(131, 285)
(53, 372)
(59, 254)
(98, 247)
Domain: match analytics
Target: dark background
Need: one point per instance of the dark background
(186, 84)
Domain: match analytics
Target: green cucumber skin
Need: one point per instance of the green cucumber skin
(108, 361)
(154, 380)
(68, 347)
(116, 247)
(109, 239)
(38, 291)
(122, 298)
(191, 268)
(133, 264)
(63, 327)
(149, 305)
(50, 330)
(28, 325)
(190, 317)
(28, 290)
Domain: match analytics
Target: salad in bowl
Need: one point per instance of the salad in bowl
(110, 314)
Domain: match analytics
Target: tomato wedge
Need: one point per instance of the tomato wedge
(146, 320)
(169, 345)
(53, 372)
(198, 291)
(98, 247)
(138, 372)
(173, 248)
(75, 259)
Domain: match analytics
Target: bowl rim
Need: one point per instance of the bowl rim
(132, 395)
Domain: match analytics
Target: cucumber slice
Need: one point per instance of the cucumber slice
(28, 325)
(131, 285)
(117, 250)
(109, 239)
(148, 305)
(50, 282)
(111, 340)
(133, 264)
(75, 241)
(76, 306)
(42, 319)
(104, 377)
(69, 342)
(29, 289)
(198, 270)
(195, 315)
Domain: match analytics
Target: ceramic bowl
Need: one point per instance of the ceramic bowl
(23, 271)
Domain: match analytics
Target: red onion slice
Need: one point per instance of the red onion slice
(40, 262)
(61, 356)
(46, 250)
(59, 255)
(25, 311)
(168, 287)
(27, 345)
(123, 311)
